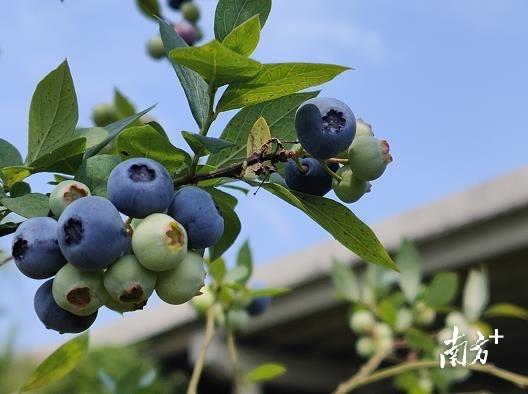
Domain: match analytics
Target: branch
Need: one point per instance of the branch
(364, 372)
(198, 367)
(235, 170)
(519, 380)
(233, 354)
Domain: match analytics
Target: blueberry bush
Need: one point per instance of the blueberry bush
(131, 214)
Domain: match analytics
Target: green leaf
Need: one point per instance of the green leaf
(387, 311)
(275, 81)
(9, 155)
(61, 362)
(8, 228)
(214, 62)
(244, 259)
(345, 282)
(340, 222)
(442, 290)
(419, 340)
(245, 38)
(237, 275)
(29, 205)
(268, 292)
(203, 146)
(195, 88)
(53, 113)
(232, 228)
(232, 13)
(259, 135)
(408, 261)
(12, 175)
(280, 115)
(506, 310)
(219, 195)
(65, 159)
(145, 141)
(265, 373)
(19, 189)
(93, 135)
(113, 131)
(476, 294)
(123, 106)
(218, 269)
(95, 171)
(149, 8)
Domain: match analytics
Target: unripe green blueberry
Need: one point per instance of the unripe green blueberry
(424, 315)
(159, 242)
(443, 335)
(204, 301)
(404, 319)
(65, 193)
(456, 319)
(365, 347)
(382, 331)
(237, 319)
(129, 282)
(182, 283)
(350, 189)
(384, 344)
(115, 305)
(155, 48)
(362, 322)
(190, 11)
(363, 128)
(78, 292)
(426, 384)
(103, 114)
(368, 157)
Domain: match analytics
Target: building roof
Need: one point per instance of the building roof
(472, 216)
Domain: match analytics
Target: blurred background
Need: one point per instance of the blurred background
(444, 82)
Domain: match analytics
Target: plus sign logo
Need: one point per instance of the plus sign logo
(460, 345)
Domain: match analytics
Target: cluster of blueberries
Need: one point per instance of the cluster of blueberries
(327, 130)
(187, 28)
(98, 259)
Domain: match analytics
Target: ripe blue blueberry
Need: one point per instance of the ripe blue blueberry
(35, 248)
(65, 193)
(176, 4)
(325, 127)
(368, 157)
(182, 283)
(258, 306)
(91, 233)
(128, 282)
(350, 188)
(315, 180)
(139, 187)
(196, 210)
(159, 242)
(78, 292)
(56, 318)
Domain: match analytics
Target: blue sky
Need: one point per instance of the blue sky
(444, 82)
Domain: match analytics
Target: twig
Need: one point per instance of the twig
(364, 372)
(519, 380)
(198, 367)
(233, 354)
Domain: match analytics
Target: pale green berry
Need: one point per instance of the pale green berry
(365, 347)
(159, 242)
(350, 189)
(361, 322)
(78, 292)
(190, 11)
(237, 319)
(424, 314)
(363, 128)
(404, 319)
(204, 301)
(368, 157)
(382, 331)
(155, 48)
(456, 319)
(65, 193)
(183, 282)
(103, 114)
